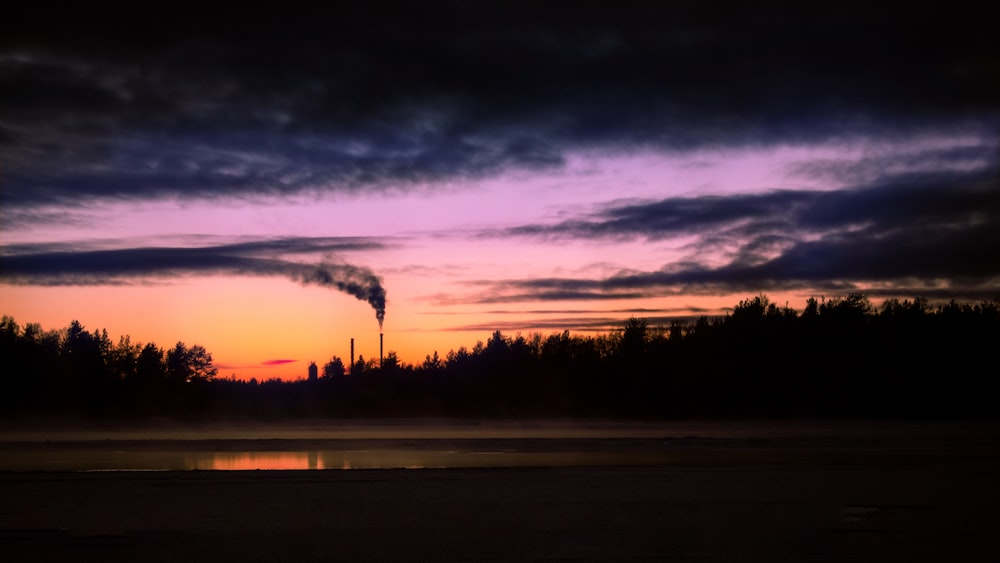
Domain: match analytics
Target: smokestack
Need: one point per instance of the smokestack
(380, 349)
(351, 369)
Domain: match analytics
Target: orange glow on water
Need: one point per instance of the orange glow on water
(245, 461)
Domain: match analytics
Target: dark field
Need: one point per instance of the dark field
(788, 492)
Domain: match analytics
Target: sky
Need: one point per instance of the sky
(269, 184)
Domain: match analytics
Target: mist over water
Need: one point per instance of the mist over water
(425, 445)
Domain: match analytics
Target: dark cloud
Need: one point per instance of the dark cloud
(386, 96)
(870, 168)
(208, 245)
(562, 290)
(576, 324)
(892, 203)
(300, 245)
(522, 312)
(921, 233)
(577, 320)
(14, 218)
(49, 265)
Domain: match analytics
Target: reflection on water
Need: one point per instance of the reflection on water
(407, 459)
(147, 457)
(367, 459)
(235, 461)
(345, 445)
(419, 445)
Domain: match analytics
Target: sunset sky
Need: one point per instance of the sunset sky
(254, 182)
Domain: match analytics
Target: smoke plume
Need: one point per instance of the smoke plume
(353, 280)
(44, 265)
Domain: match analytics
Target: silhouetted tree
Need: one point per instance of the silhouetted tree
(334, 368)
(812, 308)
(432, 364)
(750, 311)
(391, 364)
(360, 367)
(125, 358)
(189, 364)
(150, 367)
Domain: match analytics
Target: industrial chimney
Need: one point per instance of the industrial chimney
(380, 349)
(351, 369)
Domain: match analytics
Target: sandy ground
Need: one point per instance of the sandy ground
(834, 500)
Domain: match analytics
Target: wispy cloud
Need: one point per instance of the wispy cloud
(522, 312)
(888, 203)
(921, 232)
(575, 324)
(208, 245)
(847, 171)
(262, 365)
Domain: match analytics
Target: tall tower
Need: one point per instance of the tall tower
(351, 369)
(380, 349)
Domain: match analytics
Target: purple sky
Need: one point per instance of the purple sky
(511, 167)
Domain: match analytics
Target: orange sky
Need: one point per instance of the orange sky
(247, 322)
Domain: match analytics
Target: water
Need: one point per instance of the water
(376, 457)
(422, 445)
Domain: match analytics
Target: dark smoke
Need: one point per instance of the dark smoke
(40, 265)
(353, 280)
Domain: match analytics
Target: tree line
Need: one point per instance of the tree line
(837, 357)
(73, 372)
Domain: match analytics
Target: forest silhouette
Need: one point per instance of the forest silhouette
(836, 358)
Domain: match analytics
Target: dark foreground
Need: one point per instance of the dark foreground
(923, 508)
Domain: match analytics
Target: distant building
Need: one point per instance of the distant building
(313, 371)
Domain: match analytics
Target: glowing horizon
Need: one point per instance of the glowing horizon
(258, 209)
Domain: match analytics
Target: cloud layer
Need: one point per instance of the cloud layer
(390, 96)
(930, 233)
